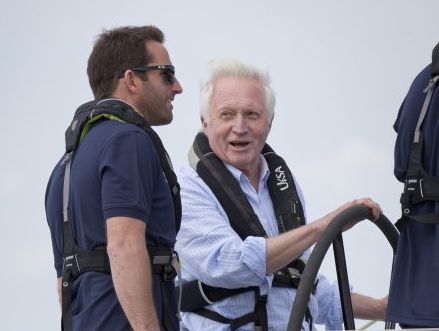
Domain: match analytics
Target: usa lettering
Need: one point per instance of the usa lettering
(281, 178)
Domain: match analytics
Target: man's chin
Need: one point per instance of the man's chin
(163, 121)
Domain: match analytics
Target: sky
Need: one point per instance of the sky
(340, 70)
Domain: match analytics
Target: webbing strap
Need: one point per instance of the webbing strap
(419, 185)
(243, 320)
(226, 189)
(176, 265)
(258, 315)
(427, 218)
(234, 323)
(429, 89)
(308, 318)
(66, 186)
(66, 302)
(67, 277)
(212, 315)
(260, 312)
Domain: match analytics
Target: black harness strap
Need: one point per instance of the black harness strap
(244, 221)
(419, 185)
(239, 211)
(76, 260)
(120, 110)
(234, 323)
(258, 315)
(283, 192)
(287, 206)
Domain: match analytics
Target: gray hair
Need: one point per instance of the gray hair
(234, 68)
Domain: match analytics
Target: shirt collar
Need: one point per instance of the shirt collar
(239, 176)
(119, 100)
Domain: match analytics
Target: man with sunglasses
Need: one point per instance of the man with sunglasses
(112, 202)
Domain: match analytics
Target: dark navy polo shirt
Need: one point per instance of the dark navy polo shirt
(414, 291)
(116, 172)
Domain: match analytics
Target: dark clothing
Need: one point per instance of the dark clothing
(115, 172)
(414, 291)
(405, 326)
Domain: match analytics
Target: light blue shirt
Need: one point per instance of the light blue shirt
(212, 252)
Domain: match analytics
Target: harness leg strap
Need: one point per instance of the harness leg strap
(308, 317)
(261, 320)
(67, 309)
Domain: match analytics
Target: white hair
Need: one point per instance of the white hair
(234, 68)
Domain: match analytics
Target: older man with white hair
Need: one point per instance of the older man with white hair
(243, 236)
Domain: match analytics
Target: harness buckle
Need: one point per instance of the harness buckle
(71, 263)
(169, 273)
(410, 184)
(175, 189)
(414, 185)
(169, 264)
(293, 272)
(413, 190)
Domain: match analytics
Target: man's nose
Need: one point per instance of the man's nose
(240, 124)
(176, 87)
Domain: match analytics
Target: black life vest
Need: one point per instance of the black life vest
(244, 221)
(419, 185)
(77, 260)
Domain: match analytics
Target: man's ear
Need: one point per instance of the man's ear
(131, 81)
(204, 124)
(271, 122)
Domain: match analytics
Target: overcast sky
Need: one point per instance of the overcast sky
(340, 70)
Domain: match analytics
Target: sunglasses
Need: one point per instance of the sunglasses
(167, 69)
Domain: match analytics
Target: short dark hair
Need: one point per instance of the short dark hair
(117, 50)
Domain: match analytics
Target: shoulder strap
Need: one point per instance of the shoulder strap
(283, 192)
(419, 185)
(85, 114)
(435, 61)
(286, 202)
(115, 109)
(166, 164)
(226, 189)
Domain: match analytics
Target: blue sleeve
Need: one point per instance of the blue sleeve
(129, 167)
(329, 304)
(53, 206)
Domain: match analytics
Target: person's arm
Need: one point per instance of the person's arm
(58, 287)
(210, 250)
(131, 272)
(286, 247)
(330, 313)
(365, 307)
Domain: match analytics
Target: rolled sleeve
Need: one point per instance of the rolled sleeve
(254, 255)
